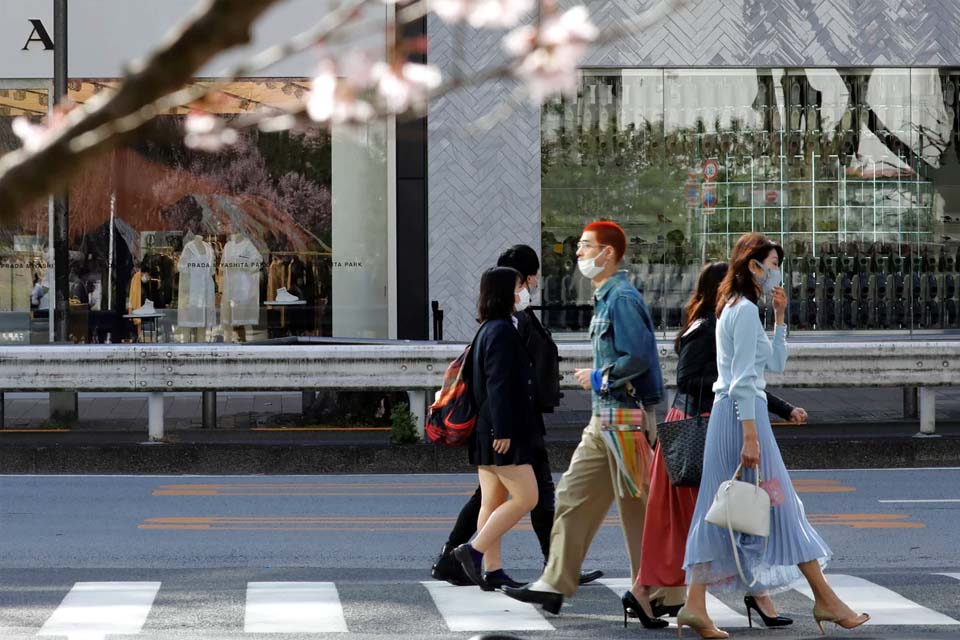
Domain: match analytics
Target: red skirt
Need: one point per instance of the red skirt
(669, 512)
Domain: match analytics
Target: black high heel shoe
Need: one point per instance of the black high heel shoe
(632, 609)
(751, 604)
(661, 610)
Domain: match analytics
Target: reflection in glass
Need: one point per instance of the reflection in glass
(25, 284)
(856, 172)
(246, 244)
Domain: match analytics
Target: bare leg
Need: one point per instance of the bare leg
(766, 605)
(492, 495)
(696, 603)
(642, 593)
(825, 597)
(521, 483)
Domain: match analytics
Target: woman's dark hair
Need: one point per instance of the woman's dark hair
(739, 281)
(522, 258)
(703, 302)
(497, 288)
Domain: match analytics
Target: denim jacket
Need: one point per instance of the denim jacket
(624, 347)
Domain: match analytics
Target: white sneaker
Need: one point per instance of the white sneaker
(145, 310)
(285, 296)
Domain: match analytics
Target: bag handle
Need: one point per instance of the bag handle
(738, 474)
(733, 540)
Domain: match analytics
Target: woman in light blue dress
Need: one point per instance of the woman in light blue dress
(739, 433)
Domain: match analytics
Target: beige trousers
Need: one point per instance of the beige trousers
(584, 496)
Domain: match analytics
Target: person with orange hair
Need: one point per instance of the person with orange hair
(625, 374)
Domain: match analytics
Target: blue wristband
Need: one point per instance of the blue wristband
(596, 380)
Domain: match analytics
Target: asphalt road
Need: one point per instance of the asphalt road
(178, 557)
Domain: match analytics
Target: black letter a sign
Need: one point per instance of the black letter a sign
(39, 34)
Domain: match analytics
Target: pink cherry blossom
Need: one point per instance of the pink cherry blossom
(483, 13)
(549, 55)
(206, 132)
(405, 87)
(336, 100)
(323, 91)
(32, 135)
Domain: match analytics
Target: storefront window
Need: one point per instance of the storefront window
(283, 234)
(25, 285)
(854, 171)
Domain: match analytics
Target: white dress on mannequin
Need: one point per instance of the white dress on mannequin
(240, 266)
(196, 303)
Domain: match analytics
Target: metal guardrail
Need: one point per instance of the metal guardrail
(418, 369)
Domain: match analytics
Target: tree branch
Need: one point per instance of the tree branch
(220, 25)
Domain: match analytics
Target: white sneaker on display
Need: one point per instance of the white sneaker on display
(285, 296)
(146, 310)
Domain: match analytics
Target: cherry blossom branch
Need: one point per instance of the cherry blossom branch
(29, 173)
(543, 56)
(190, 94)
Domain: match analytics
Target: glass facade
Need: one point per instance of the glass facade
(283, 234)
(24, 259)
(855, 171)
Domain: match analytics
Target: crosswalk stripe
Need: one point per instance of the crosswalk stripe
(293, 607)
(885, 607)
(955, 576)
(91, 610)
(471, 609)
(720, 613)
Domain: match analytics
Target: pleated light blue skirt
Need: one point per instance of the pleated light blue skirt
(772, 562)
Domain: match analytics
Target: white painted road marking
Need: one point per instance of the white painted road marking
(885, 607)
(721, 614)
(928, 501)
(471, 609)
(94, 609)
(293, 607)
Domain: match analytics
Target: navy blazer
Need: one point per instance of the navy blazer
(504, 383)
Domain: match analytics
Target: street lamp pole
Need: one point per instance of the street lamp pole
(60, 231)
(63, 405)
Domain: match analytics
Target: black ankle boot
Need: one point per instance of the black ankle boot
(447, 568)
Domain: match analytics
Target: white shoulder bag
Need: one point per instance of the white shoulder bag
(744, 507)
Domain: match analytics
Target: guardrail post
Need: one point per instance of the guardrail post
(910, 402)
(155, 416)
(63, 407)
(928, 412)
(306, 401)
(209, 409)
(2, 415)
(418, 407)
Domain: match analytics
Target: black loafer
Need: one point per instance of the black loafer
(586, 577)
(550, 602)
(447, 569)
(494, 581)
(465, 558)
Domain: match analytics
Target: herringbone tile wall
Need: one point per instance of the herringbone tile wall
(485, 186)
(483, 175)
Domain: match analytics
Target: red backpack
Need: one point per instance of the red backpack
(453, 415)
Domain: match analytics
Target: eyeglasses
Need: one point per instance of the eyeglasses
(582, 244)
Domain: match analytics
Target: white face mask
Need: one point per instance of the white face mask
(588, 267)
(524, 300)
(770, 280)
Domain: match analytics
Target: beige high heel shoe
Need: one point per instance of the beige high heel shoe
(822, 615)
(701, 628)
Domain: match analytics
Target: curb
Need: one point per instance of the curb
(232, 458)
